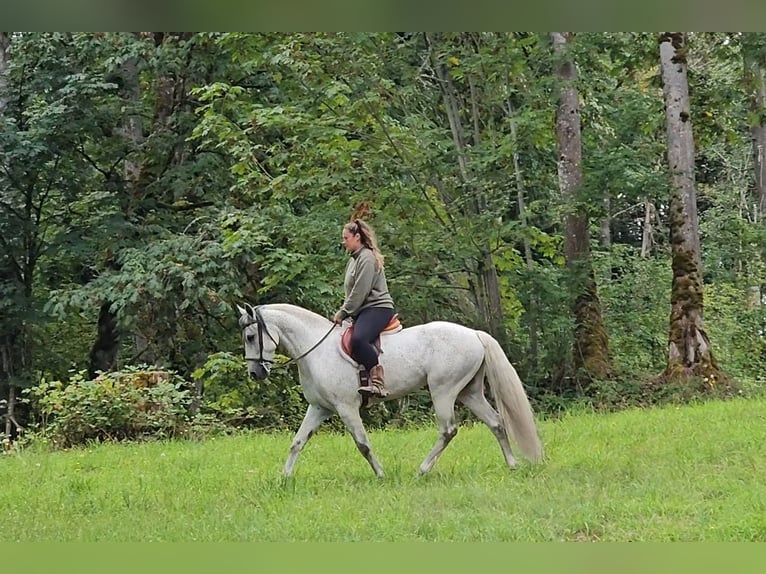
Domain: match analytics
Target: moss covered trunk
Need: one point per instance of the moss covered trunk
(591, 341)
(689, 350)
(591, 348)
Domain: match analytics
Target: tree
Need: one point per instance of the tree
(8, 327)
(689, 350)
(154, 249)
(591, 341)
(43, 120)
(456, 107)
(754, 61)
(149, 180)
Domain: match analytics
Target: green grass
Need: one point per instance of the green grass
(691, 473)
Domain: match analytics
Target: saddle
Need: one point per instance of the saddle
(394, 326)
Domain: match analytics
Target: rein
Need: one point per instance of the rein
(262, 328)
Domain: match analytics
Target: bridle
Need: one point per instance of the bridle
(262, 328)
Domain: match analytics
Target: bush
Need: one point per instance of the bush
(135, 403)
(235, 400)
(238, 401)
(657, 391)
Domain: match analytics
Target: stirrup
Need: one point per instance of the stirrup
(374, 390)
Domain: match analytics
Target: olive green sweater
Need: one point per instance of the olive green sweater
(365, 285)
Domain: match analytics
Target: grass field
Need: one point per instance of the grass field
(689, 473)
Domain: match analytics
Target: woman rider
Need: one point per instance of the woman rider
(367, 301)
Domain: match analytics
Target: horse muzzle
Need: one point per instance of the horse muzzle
(258, 371)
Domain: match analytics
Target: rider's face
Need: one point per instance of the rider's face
(351, 241)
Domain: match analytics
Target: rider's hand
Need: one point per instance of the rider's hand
(337, 318)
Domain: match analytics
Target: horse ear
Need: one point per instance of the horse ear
(246, 312)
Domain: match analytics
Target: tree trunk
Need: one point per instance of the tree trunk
(104, 351)
(11, 426)
(521, 201)
(4, 43)
(591, 343)
(647, 239)
(6, 373)
(759, 147)
(605, 235)
(133, 132)
(103, 354)
(5, 348)
(755, 85)
(12, 342)
(689, 351)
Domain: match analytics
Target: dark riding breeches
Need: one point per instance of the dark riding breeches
(367, 326)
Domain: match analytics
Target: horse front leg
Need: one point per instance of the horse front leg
(353, 421)
(315, 416)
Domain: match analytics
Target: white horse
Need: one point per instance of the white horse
(450, 359)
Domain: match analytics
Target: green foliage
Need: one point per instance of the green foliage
(736, 323)
(252, 150)
(135, 403)
(541, 290)
(635, 297)
(237, 400)
(730, 230)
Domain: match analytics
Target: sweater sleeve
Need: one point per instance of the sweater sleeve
(360, 290)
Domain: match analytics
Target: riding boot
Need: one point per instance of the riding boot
(375, 388)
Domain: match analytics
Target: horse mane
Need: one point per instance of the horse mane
(296, 311)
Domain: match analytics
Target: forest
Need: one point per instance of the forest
(595, 201)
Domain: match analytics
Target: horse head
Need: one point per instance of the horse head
(259, 343)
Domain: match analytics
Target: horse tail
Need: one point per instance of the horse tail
(511, 399)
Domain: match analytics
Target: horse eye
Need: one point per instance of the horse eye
(250, 338)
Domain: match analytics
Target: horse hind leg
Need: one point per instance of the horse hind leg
(473, 398)
(353, 422)
(315, 416)
(444, 407)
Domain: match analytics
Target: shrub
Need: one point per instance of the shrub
(238, 401)
(135, 403)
